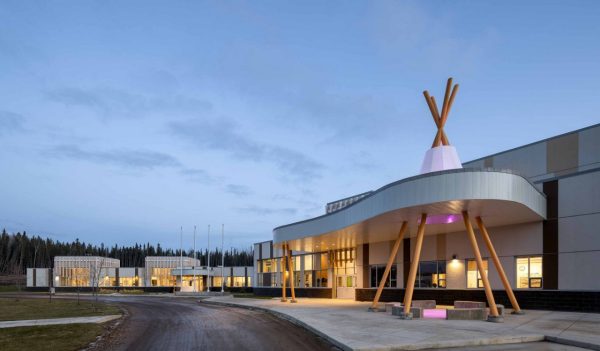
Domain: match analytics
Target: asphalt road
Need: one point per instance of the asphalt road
(166, 323)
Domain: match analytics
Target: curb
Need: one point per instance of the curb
(421, 346)
(570, 342)
(286, 317)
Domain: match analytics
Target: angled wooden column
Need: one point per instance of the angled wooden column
(291, 267)
(414, 266)
(283, 271)
(388, 267)
(499, 268)
(484, 277)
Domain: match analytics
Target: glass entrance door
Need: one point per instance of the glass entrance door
(345, 286)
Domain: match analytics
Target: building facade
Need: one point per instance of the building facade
(161, 273)
(549, 257)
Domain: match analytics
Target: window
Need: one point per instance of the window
(321, 278)
(529, 272)
(432, 274)
(473, 277)
(377, 273)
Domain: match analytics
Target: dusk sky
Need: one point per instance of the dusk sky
(121, 121)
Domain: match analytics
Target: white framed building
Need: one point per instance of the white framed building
(539, 201)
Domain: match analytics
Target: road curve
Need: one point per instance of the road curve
(167, 323)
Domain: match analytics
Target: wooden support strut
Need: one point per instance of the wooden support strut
(412, 275)
(484, 277)
(499, 268)
(283, 271)
(390, 261)
(291, 267)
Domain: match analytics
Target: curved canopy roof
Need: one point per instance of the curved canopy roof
(499, 197)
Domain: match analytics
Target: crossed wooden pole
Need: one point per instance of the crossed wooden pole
(440, 121)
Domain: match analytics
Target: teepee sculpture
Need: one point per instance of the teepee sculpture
(442, 155)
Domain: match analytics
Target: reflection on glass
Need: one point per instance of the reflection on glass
(473, 277)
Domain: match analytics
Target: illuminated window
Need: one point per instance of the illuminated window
(474, 280)
(432, 274)
(529, 272)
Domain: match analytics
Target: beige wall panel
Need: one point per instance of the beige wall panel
(529, 161)
(475, 164)
(400, 275)
(589, 146)
(30, 276)
(429, 249)
(579, 194)
(379, 252)
(509, 265)
(578, 271)
(359, 277)
(579, 233)
(514, 240)
(562, 154)
(41, 276)
(456, 274)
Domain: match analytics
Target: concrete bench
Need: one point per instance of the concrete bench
(390, 305)
(417, 312)
(469, 304)
(467, 314)
(428, 304)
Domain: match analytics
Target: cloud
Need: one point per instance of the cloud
(197, 175)
(238, 190)
(266, 211)
(222, 135)
(111, 102)
(137, 159)
(10, 122)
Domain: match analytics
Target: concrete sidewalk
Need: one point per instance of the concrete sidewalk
(55, 321)
(348, 325)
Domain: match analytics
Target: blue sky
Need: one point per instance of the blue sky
(121, 121)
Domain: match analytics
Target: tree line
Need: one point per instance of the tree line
(19, 251)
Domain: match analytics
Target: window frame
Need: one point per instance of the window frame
(437, 272)
(479, 278)
(529, 277)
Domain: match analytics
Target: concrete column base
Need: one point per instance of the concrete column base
(406, 316)
(376, 309)
(518, 312)
(495, 319)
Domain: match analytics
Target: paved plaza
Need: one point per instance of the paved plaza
(348, 325)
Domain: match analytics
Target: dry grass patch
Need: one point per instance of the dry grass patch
(11, 310)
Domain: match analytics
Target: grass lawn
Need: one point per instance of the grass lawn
(10, 309)
(8, 288)
(49, 337)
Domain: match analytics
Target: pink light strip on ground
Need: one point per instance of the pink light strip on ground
(438, 313)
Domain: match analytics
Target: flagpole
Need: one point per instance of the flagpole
(222, 258)
(194, 268)
(208, 262)
(181, 258)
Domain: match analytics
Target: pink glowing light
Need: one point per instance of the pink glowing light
(438, 313)
(442, 219)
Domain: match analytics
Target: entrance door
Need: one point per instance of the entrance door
(345, 286)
